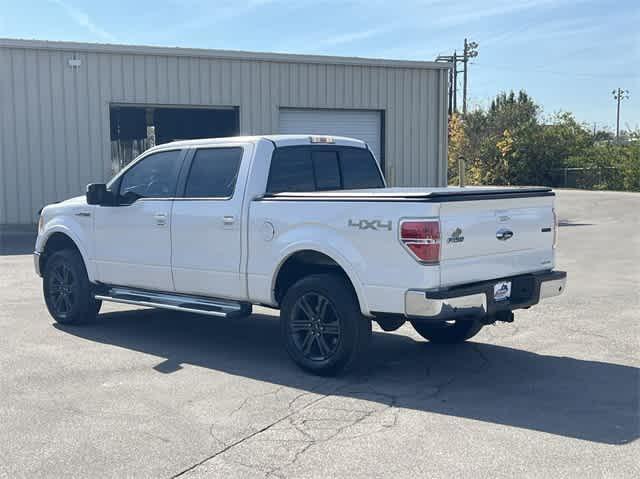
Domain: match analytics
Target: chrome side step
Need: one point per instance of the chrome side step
(176, 302)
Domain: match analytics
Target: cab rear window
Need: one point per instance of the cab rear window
(321, 168)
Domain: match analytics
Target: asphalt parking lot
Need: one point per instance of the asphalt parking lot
(147, 393)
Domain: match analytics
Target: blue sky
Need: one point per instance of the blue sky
(568, 54)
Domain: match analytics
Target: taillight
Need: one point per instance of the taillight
(422, 239)
(555, 228)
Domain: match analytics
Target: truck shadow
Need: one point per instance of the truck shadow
(589, 400)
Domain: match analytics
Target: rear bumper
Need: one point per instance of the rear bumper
(476, 299)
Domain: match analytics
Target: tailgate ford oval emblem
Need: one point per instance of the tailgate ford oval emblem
(504, 234)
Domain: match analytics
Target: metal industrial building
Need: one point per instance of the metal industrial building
(74, 113)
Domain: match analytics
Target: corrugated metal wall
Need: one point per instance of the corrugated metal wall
(55, 119)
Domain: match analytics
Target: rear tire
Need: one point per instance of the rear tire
(67, 290)
(322, 327)
(443, 332)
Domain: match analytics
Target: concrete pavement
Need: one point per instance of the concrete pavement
(145, 393)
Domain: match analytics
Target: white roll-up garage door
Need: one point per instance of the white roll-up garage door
(364, 125)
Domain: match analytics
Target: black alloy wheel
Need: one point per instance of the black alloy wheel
(63, 290)
(67, 291)
(315, 327)
(322, 326)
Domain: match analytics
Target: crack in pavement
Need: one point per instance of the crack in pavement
(303, 427)
(258, 396)
(364, 414)
(483, 356)
(249, 436)
(317, 430)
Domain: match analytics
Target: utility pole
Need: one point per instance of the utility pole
(455, 81)
(470, 51)
(619, 94)
(450, 107)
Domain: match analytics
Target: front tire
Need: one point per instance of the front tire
(445, 332)
(321, 324)
(67, 290)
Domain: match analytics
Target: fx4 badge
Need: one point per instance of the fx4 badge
(456, 236)
(371, 224)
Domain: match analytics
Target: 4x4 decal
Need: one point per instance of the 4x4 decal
(371, 224)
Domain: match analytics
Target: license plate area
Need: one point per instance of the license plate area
(502, 291)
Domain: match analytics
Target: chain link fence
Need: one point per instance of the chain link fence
(595, 178)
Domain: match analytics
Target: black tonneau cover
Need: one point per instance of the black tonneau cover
(440, 195)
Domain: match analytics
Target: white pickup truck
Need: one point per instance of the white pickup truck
(305, 224)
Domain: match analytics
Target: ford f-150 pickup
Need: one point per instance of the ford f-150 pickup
(305, 224)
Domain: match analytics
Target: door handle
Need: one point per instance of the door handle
(228, 220)
(504, 234)
(161, 219)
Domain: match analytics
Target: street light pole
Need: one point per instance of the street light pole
(464, 78)
(470, 51)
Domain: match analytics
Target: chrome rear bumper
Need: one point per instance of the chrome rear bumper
(551, 288)
(476, 300)
(417, 304)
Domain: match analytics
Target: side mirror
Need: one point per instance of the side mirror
(97, 194)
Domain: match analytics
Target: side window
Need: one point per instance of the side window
(326, 169)
(213, 173)
(359, 169)
(291, 170)
(153, 177)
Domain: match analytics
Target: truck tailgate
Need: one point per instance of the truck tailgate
(487, 239)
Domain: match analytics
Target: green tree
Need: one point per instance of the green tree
(510, 143)
(498, 137)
